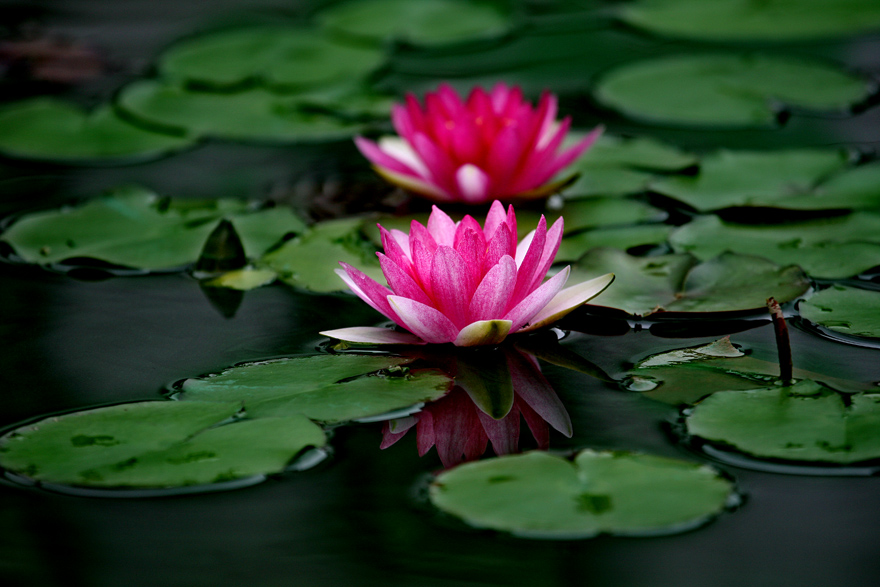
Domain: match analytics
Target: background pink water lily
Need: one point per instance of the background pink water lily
(462, 283)
(494, 145)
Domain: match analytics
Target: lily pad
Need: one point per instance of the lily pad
(746, 20)
(426, 22)
(618, 166)
(594, 212)
(280, 58)
(133, 227)
(243, 279)
(679, 283)
(327, 388)
(804, 422)
(309, 261)
(726, 90)
(538, 495)
(155, 444)
(753, 178)
(254, 114)
(46, 128)
(573, 247)
(847, 310)
(830, 248)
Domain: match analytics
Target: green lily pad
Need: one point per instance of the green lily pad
(804, 422)
(616, 166)
(243, 279)
(679, 283)
(573, 247)
(726, 90)
(327, 388)
(594, 212)
(847, 310)
(254, 114)
(309, 260)
(155, 444)
(746, 20)
(684, 376)
(135, 228)
(538, 495)
(753, 178)
(46, 128)
(830, 248)
(426, 22)
(280, 58)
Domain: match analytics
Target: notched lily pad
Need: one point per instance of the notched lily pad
(46, 128)
(727, 90)
(280, 58)
(159, 444)
(538, 495)
(848, 310)
(134, 227)
(830, 248)
(308, 261)
(327, 388)
(426, 22)
(747, 20)
(680, 283)
(806, 422)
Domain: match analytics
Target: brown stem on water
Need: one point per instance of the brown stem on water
(783, 345)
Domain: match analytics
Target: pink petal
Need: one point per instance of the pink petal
(551, 247)
(426, 322)
(568, 299)
(500, 245)
(441, 227)
(492, 296)
(394, 430)
(401, 282)
(494, 219)
(530, 264)
(472, 183)
(367, 289)
(377, 156)
(396, 248)
(452, 285)
(524, 311)
(533, 389)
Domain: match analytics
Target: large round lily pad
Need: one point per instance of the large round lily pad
(254, 114)
(830, 248)
(327, 388)
(847, 310)
(155, 444)
(748, 20)
(679, 283)
(134, 227)
(753, 178)
(281, 58)
(620, 237)
(426, 22)
(538, 495)
(726, 90)
(46, 128)
(804, 422)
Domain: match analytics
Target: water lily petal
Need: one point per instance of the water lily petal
(372, 335)
(525, 310)
(426, 322)
(533, 389)
(367, 289)
(401, 282)
(483, 332)
(492, 296)
(452, 285)
(472, 183)
(441, 227)
(568, 299)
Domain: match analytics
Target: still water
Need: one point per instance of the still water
(359, 518)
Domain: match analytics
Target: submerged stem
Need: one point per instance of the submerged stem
(783, 345)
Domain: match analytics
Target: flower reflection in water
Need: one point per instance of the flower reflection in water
(494, 387)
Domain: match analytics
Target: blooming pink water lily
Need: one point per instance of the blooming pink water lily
(494, 145)
(462, 283)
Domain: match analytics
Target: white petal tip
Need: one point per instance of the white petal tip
(372, 335)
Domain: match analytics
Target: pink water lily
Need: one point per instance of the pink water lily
(494, 145)
(462, 283)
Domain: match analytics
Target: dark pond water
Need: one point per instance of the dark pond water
(358, 519)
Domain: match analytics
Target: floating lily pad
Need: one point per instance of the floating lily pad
(684, 376)
(726, 90)
(135, 228)
(747, 20)
(830, 248)
(45, 128)
(243, 279)
(619, 237)
(254, 114)
(327, 388)
(753, 178)
(537, 495)
(281, 58)
(847, 310)
(594, 212)
(679, 283)
(804, 422)
(619, 166)
(309, 261)
(155, 444)
(426, 22)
